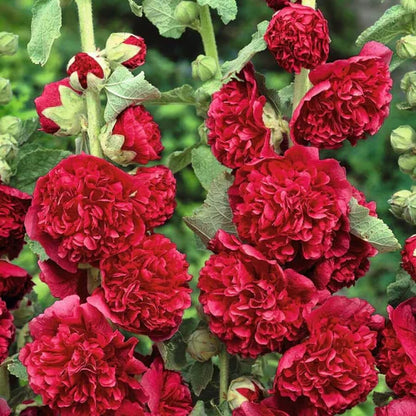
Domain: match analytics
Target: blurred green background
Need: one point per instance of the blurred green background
(371, 165)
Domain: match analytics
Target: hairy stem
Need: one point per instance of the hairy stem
(224, 374)
(92, 98)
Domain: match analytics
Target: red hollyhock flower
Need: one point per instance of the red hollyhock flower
(145, 289)
(139, 58)
(15, 282)
(126, 49)
(168, 395)
(279, 4)
(140, 132)
(334, 368)
(298, 36)
(237, 133)
(253, 306)
(293, 205)
(85, 209)
(397, 356)
(350, 98)
(399, 407)
(13, 207)
(7, 330)
(161, 183)
(408, 256)
(258, 409)
(78, 364)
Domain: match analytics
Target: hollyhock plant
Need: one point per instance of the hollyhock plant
(237, 133)
(397, 355)
(15, 282)
(253, 306)
(343, 334)
(145, 289)
(293, 205)
(93, 371)
(83, 210)
(13, 207)
(126, 49)
(408, 256)
(168, 394)
(349, 99)
(7, 330)
(398, 407)
(297, 36)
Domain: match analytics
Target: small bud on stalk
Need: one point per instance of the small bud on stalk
(407, 164)
(9, 43)
(125, 49)
(202, 345)
(409, 213)
(403, 139)
(244, 389)
(204, 68)
(408, 85)
(5, 91)
(406, 47)
(186, 13)
(398, 202)
(409, 5)
(8, 147)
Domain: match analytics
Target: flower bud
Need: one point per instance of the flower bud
(278, 126)
(5, 171)
(125, 49)
(9, 43)
(61, 109)
(11, 125)
(409, 5)
(407, 164)
(204, 68)
(8, 147)
(406, 47)
(186, 13)
(398, 202)
(409, 212)
(88, 71)
(408, 85)
(202, 345)
(5, 91)
(244, 389)
(403, 139)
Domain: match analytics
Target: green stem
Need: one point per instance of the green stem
(92, 98)
(207, 33)
(224, 374)
(4, 382)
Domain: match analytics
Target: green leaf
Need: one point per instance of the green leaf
(199, 409)
(17, 369)
(34, 164)
(227, 9)
(257, 44)
(46, 27)
(135, 8)
(28, 128)
(206, 166)
(180, 159)
(123, 90)
(181, 95)
(371, 229)
(200, 375)
(392, 24)
(36, 248)
(215, 213)
(396, 61)
(403, 288)
(161, 14)
(285, 99)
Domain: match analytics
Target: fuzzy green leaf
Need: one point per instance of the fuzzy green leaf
(36, 248)
(161, 14)
(181, 95)
(371, 229)
(123, 90)
(135, 8)
(392, 24)
(199, 409)
(46, 27)
(17, 369)
(206, 166)
(200, 375)
(257, 44)
(403, 288)
(180, 159)
(215, 213)
(28, 128)
(227, 9)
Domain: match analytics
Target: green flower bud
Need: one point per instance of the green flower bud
(409, 5)
(202, 345)
(406, 47)
(5, 171)
(398, 202)
(5, 91)
(409, 212)
(408, 85)
(204, 68)
(403, 139)
(9, 43)
(11, 125)
(186, 12)
(407, 164)
(8, 147)
(238, 391)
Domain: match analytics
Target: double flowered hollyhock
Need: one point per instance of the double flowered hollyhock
(293, 205)
(85, 209)
(78, 364)
(13, 207)
(267, 407)
(298, 36)
(409, 257)
(4, 408)
(7, 330)
(15, 282)
(168, 394)
(126, 49)
(333, 369)
(161, 186)
(279, 4)
(145, 289)
(253, 306)
(349, 99)
(61, 109)
(399, 407)
(397, 355)
(237, 133)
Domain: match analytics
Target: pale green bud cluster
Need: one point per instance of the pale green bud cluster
(409, 5)
(408, 86)
(9, 43)
(5, 91)
(235, 398)
(403, 205)
(10, 131)
(406, 47)
(202, 345)
(403, 142)
(204, 68)
(187, 13)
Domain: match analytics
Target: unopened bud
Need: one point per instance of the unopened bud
(204, 68)
(409, 5)
(125, 49)
(407, 164)
(11, 125)
(398, 202)
(202, 345)
(5, 91)
(8, 147)
(5, 171)
(403, 139)
(186, 13)
(409, 212)
(9, 43)
(244, 389)
(408, 85)
(406, 47)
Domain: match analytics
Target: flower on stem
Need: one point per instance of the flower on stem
(126, 49)
(244, 389)
(7, 330)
